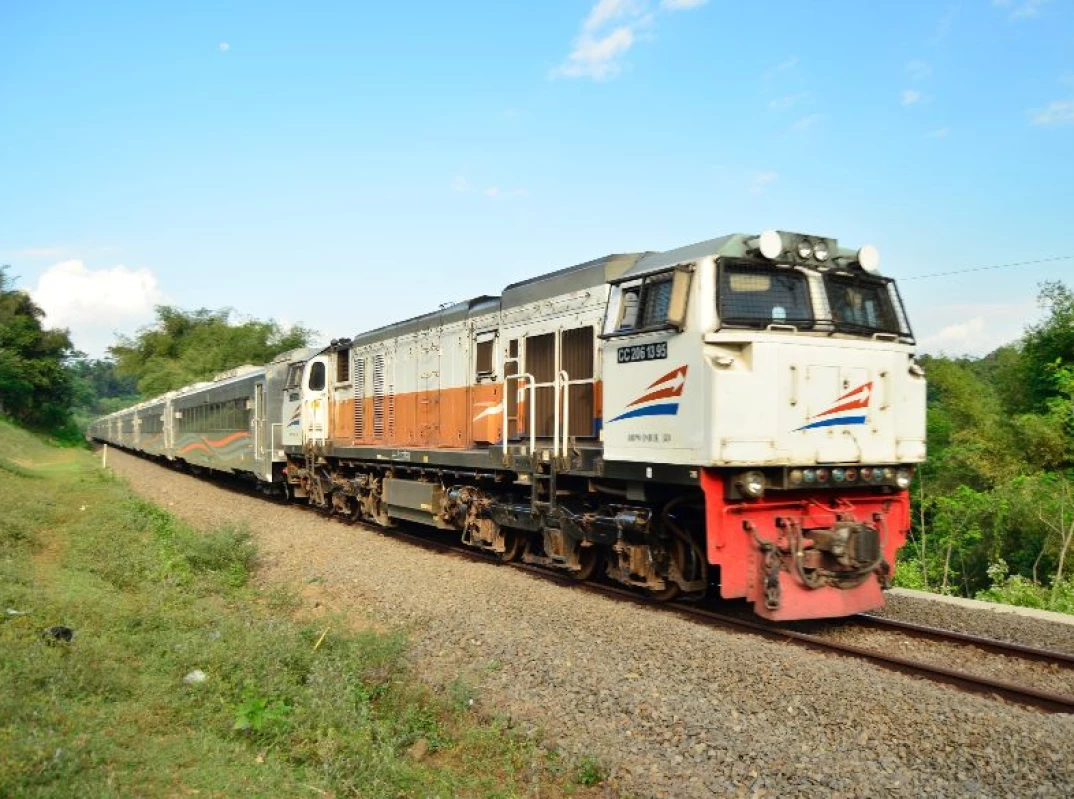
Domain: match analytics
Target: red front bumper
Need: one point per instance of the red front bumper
(737, 530)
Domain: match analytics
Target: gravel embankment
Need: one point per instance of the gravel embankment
(675, 709)
(1002, 626)
(1043, 676)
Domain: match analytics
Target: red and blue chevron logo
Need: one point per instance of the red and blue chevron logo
(851, 408)
(652, 403)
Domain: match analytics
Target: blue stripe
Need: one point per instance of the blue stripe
(668, 409)
(833, 422)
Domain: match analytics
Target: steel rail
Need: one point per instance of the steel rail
(989, 644)
(1050, 702)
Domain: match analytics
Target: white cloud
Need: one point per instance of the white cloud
(918, 70)
(94, 303)
(761, 181)
(608, 32)
(789, 101)
(606, 11)
(1022, 9)
(1057, 112)
(680, 5)
(909, 97)
(972, 329)
(597, 58)
(806, 123)
(943, 25)
(224, 47)
(939, 133)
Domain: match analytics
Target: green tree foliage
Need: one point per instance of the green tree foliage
(36, 389)
(183, 347)
(994, 504)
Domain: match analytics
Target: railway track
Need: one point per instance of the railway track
(1019, 694)
(1013, 692)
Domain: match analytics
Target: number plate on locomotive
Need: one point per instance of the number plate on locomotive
(644, 352)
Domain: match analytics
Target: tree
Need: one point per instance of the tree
(35, 386)
(183, 347)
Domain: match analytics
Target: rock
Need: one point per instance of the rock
(418, 750)
(196, 677)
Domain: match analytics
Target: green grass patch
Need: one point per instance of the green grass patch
(283, 708)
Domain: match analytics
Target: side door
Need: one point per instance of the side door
(291, 406)
(315, 401)
(259, 421)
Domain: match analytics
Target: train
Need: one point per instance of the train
(739, 418)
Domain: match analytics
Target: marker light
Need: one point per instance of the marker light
(810, 475)
(795, 476)
(852, 475)
(752, 484)
(866, 473)
(902, 478)
(822, 475)
(820, 251)
(805, 248)
(770, 244)
(837, 475)
(869, 259)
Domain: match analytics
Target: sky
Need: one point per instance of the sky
(346, 165)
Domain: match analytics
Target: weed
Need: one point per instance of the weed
(589, 772)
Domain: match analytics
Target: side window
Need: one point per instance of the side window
(655, 302)
(343, 366)
(484, 347)
(294, 376)
(317, 375)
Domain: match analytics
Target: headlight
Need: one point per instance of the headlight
(770, 244)
(795, 477)
(869, 259)
(820, 251)
(805, 248)
(752, 484)
(902, 478)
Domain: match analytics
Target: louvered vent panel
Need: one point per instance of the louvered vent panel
(359, 397)
(378, 396)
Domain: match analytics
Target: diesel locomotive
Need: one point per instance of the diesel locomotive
(739, 416)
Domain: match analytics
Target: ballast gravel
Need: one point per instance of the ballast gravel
(670, 707)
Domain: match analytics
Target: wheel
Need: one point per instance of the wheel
(678, 554)
(514, 543)
(589, 558)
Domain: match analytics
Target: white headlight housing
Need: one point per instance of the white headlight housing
(820, 251)
(752, 484)
(869, 259)
(902, 478)
(770, 244)
(805, 248)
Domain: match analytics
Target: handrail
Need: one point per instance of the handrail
(531, 386)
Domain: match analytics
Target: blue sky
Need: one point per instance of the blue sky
(349, 164)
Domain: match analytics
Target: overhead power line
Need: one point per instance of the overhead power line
(994, 266)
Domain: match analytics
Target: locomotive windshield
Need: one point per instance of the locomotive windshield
(863, 304)
(755, 296)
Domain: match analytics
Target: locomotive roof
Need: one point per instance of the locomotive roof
(657, 261)
(564, 281)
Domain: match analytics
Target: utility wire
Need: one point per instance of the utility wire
(994, 266)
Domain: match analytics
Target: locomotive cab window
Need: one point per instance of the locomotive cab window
(343, 366)
(654, 302)
(755, 296)
(317, 376)
(863, 304)
(294, 376)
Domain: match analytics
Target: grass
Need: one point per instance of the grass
(284, 709)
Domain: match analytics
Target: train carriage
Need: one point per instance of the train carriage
(740, 416)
